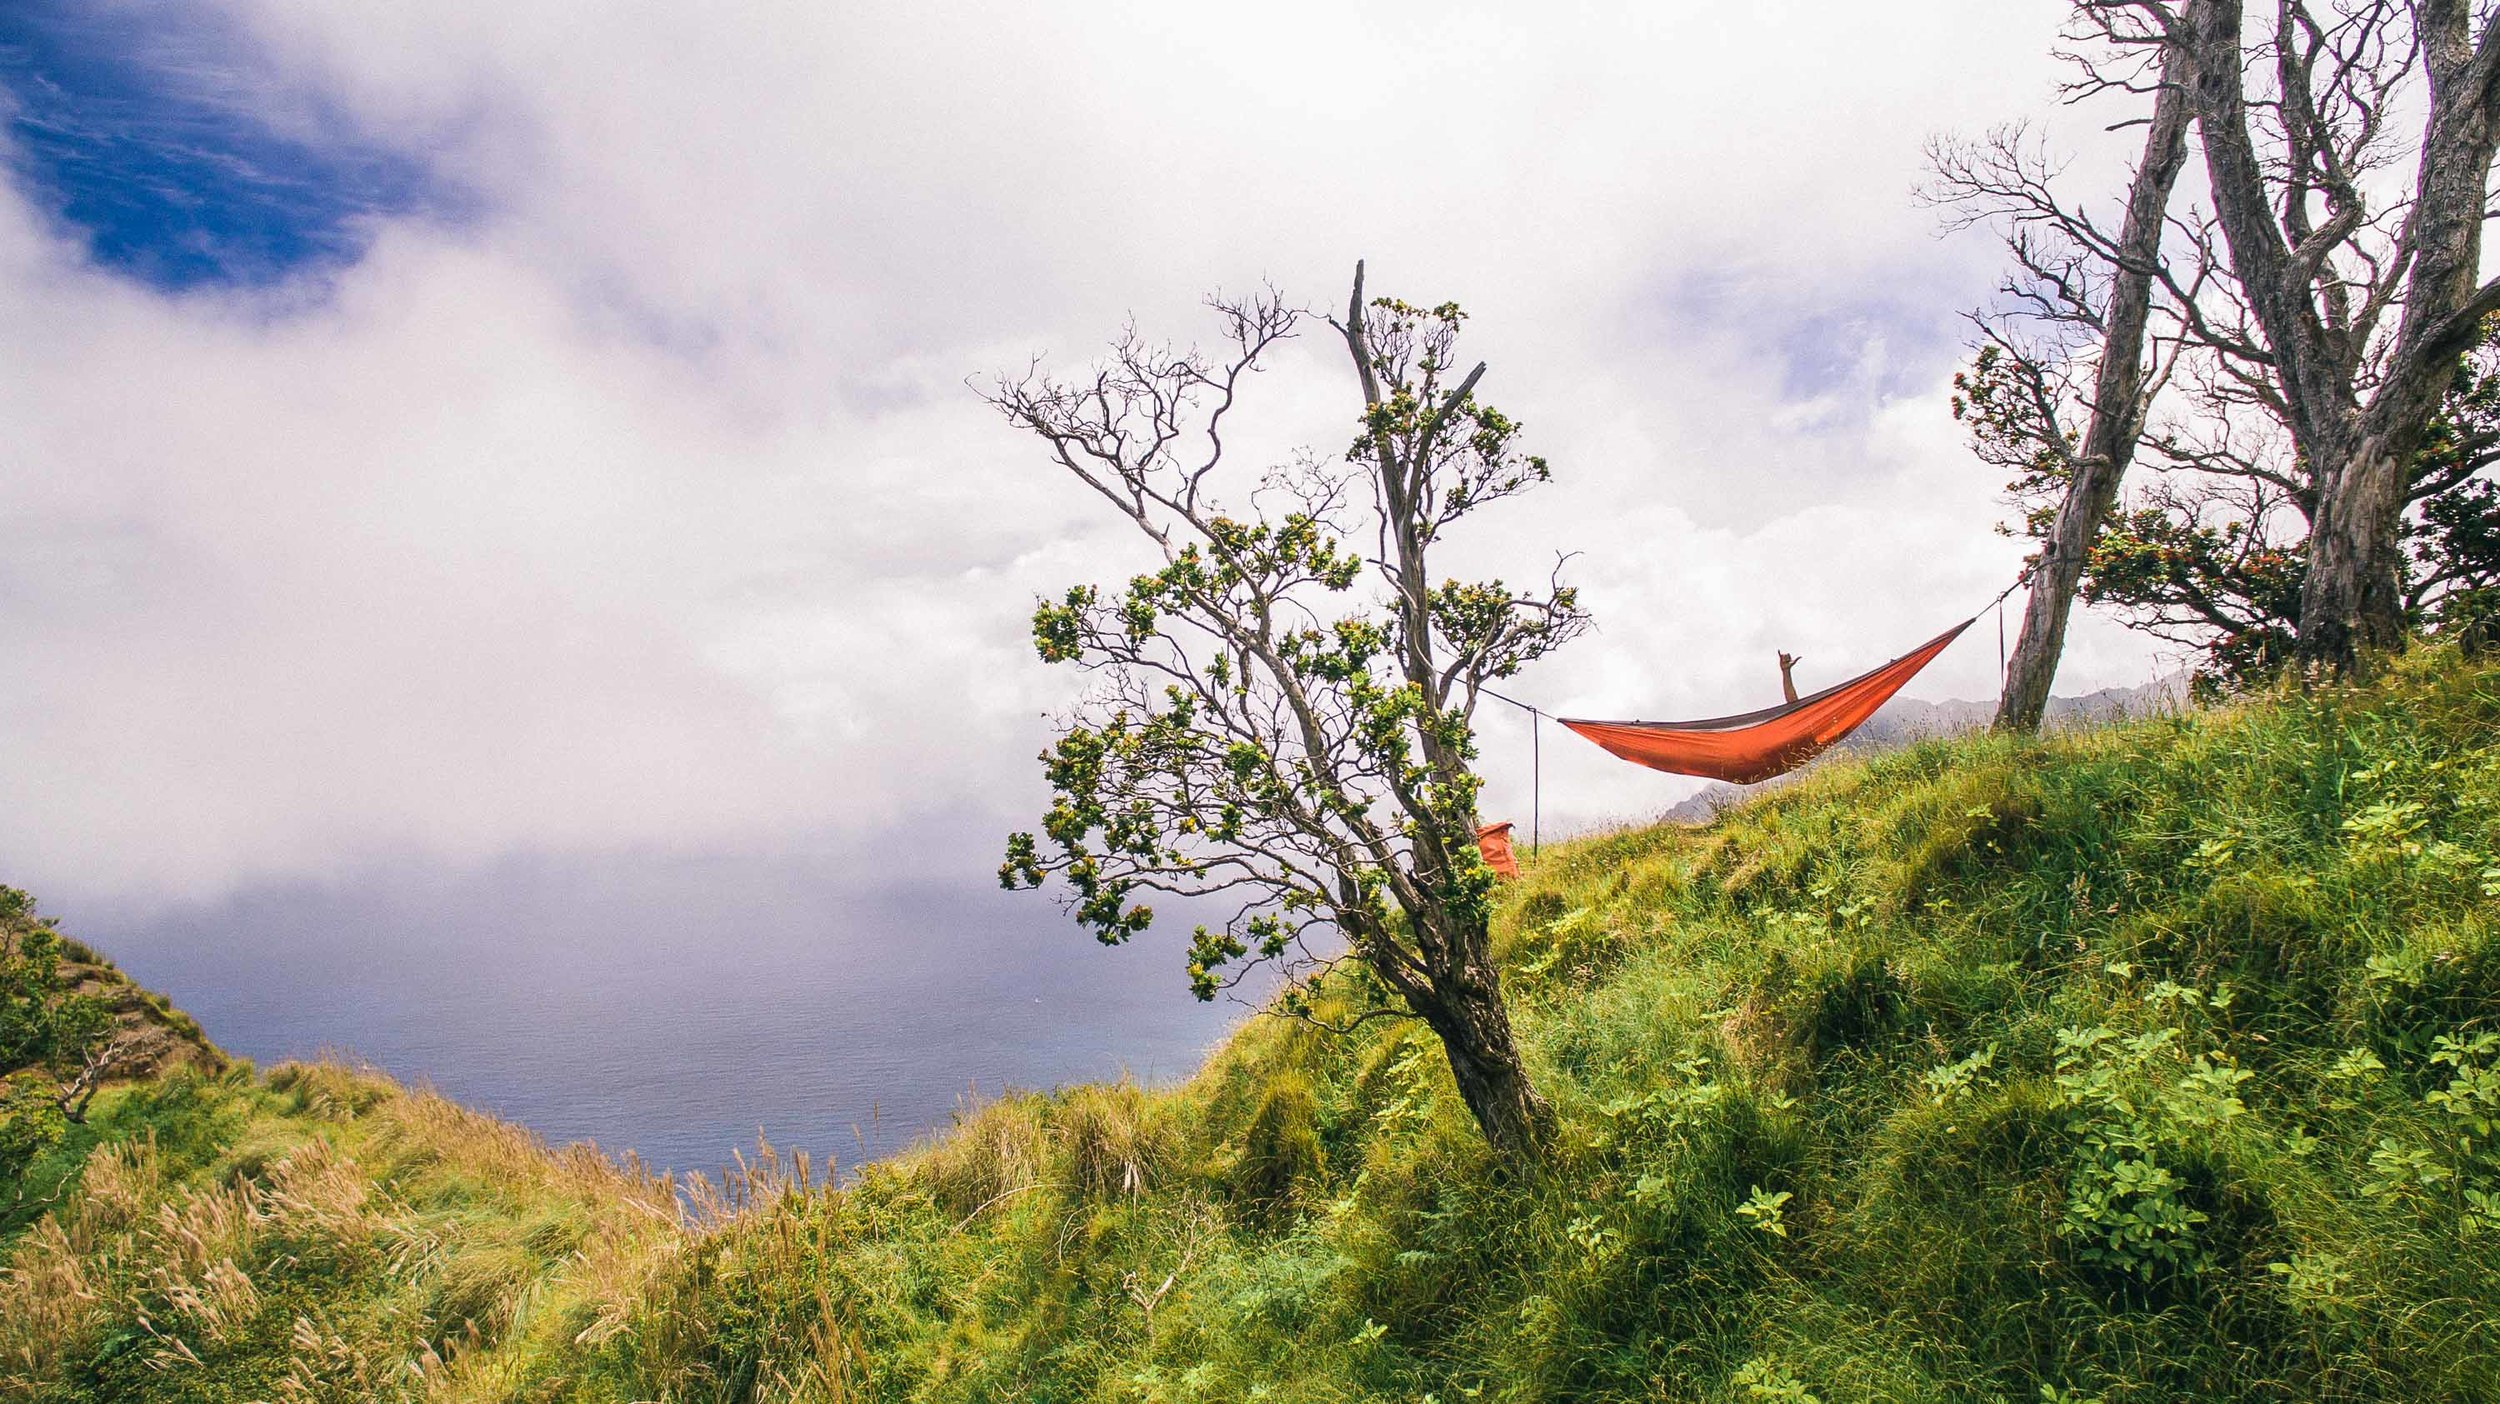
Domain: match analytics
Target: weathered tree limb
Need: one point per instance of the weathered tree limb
(2120, 396)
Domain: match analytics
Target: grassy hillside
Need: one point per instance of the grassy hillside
(2158, 1062)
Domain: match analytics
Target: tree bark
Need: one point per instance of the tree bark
(1474, 1028)
(2117, 415)
(2351, 602)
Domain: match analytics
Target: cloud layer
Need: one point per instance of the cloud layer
(648, 509)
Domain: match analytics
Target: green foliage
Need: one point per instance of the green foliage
(1264, 737)
(2139, 1106)
(1766, 1210)
(2195, 570)
(44, 1025)
(1765, 1378)
(1261, 731)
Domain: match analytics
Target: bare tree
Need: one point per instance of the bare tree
(2327, 241)
(127, 1049)
(2310, 335)
(1260, 734)
(2091, 290)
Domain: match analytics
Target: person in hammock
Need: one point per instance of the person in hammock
(1754, 746)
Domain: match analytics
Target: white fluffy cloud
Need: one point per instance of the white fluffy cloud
(650, 509)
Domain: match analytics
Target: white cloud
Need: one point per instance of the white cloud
(652, 511)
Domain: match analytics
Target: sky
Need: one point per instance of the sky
(451, 434)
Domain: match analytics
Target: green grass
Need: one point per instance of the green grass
(2142, 1064)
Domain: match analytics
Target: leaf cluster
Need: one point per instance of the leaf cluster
(45, 1026)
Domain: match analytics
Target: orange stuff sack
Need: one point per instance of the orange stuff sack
(1493, 841)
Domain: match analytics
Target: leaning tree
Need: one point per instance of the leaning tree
(2065, 376)
(1283, 717)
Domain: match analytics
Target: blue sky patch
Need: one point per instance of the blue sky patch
(159, 137)
(1864, 348)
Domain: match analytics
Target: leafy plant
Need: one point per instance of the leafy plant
(2471, 1100)
(1957, 1079)
(2314, 1282)
(2133, 1102)
(1764, 1210)
(1765, 1378)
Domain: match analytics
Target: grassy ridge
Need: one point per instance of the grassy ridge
(2148, 1063)
(179, 1041)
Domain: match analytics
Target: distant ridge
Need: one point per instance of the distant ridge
(1907, 720)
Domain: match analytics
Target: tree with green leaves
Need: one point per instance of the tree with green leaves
(53, 1038)
(1283, 718)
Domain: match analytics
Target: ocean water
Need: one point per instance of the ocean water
(679, 1008)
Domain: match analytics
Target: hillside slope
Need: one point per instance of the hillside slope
(2149, 1063)
(1905, 721)
(173, 1039)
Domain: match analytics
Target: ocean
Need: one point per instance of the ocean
(678, 1008)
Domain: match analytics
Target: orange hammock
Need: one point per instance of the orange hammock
(1758, 745)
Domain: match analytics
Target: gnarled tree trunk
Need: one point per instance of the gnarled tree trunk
(2351, 602)
(2117, 418)
(1466, 1012)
